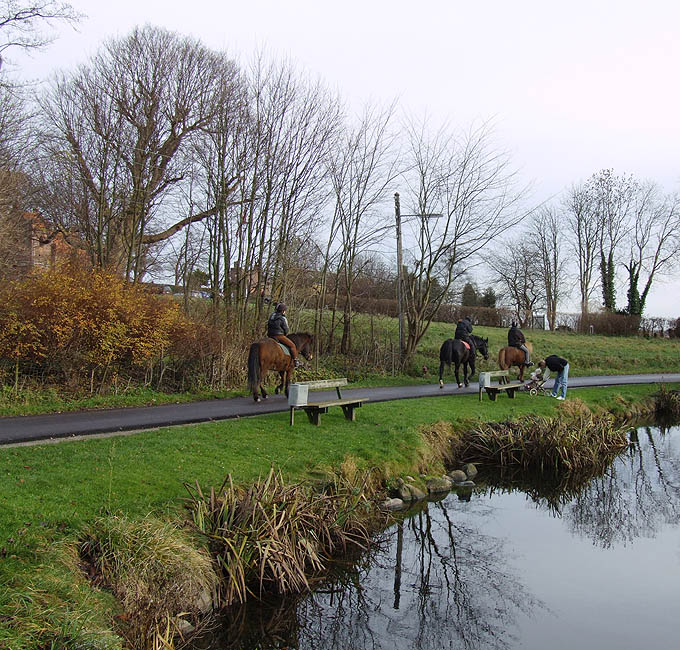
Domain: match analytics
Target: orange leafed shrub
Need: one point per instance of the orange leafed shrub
(71, 319)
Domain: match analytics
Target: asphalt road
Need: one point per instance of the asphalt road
(81, 423)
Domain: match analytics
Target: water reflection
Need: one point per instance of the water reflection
(636, 497)
(436, 582)
(464, 572)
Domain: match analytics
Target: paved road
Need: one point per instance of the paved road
(63, 425)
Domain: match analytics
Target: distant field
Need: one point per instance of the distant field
(587, 354)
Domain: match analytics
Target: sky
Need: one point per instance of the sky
(571, 88)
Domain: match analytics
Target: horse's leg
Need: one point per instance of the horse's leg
(521, 372)
(471, 362)
(282, 374)
(457, 374)
(289, 374)
(441, 374)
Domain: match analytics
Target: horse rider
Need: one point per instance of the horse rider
(277, 328)
(516, 340)
(463, 332)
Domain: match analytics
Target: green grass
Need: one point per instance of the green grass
(49, 492)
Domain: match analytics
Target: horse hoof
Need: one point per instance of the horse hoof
(460, 385)
(276, 391)
(257, 399)
(441, 384)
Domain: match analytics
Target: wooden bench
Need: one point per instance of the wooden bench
(297, 399)
(486, 377)
(510, 390)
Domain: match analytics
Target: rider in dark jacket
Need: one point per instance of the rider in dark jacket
(277, 328)
(464, 330)
(516, 340)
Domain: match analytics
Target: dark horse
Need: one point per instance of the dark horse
(266, 354)
(455, 351)
(510, 356)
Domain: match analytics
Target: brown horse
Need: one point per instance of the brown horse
(266, 354)
(510, 356)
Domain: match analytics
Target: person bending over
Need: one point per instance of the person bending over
(561, 367)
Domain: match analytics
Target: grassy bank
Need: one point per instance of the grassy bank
(51, 492)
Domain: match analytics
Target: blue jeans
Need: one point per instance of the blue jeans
(561, 382)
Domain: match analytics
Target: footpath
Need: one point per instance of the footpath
(32, 428)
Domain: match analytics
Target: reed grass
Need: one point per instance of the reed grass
(574, 443)
(668, 402)
(272, 536)
(156, 571)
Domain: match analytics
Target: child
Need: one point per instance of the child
(537, 377)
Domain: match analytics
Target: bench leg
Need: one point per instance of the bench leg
(292, 416)
(349, 412)
(511, 393)
(314, 416)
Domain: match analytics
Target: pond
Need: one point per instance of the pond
(513, 564)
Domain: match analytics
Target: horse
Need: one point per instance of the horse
(510, 356)
(266, 354)
(455, 351)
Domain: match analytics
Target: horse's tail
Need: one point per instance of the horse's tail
(254, 374)
(501, 359)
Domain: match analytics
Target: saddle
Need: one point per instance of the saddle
(283, 347)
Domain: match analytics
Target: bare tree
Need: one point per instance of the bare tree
(121, 128)
(517, 266)
(471, 184)
(547, 238)
(22, 25)
(614, 199)
(584, 238)
(654, 244)
(362, 170)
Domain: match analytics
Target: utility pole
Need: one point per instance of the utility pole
(400, 304)
(400, 269)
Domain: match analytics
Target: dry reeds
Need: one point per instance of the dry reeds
(153, 569)
(577, 443)
(270, 537)
(668, 403)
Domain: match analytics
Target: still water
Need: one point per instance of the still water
(595, 565)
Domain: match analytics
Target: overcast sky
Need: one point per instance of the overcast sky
(572, 88)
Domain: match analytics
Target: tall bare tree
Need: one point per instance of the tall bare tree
(547, 240)
(121, 128)
(517, 267)
(614, 199)
(583, 234)
(654, 244)
(471, 185)
(362, 169)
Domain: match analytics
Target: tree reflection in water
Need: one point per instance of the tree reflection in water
(636, 497)
(440, 580)
(434, 583)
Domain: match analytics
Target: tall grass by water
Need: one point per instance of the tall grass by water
(272, 536)
(538, 443)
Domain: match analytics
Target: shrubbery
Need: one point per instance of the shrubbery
(89, 327)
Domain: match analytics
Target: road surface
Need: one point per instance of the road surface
(81, 423)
